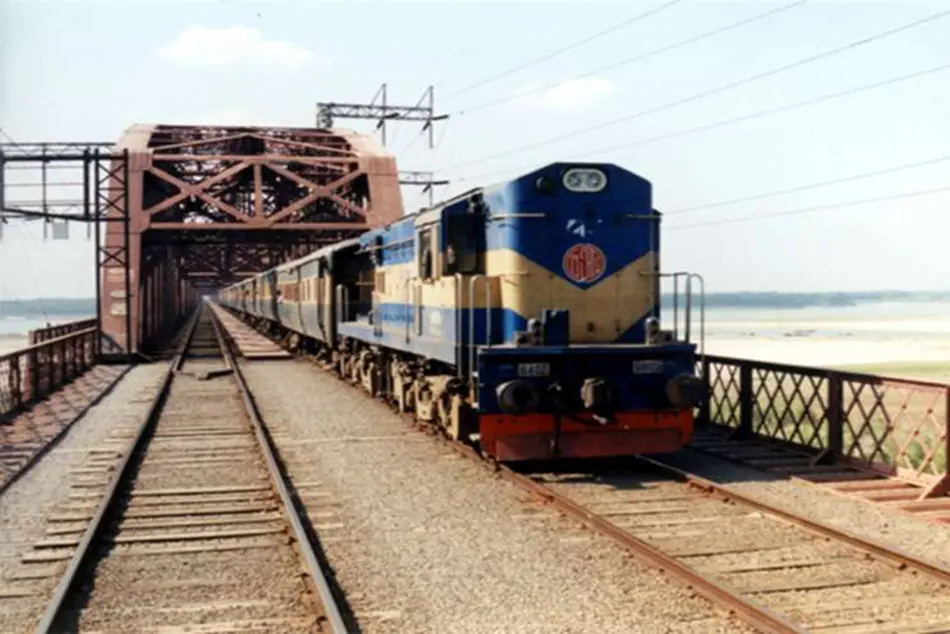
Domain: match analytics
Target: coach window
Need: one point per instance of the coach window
(426, 271)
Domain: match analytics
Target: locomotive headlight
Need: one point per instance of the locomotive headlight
(517, 397)
(584, 180)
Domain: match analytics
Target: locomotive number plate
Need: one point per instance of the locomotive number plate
(647, 367)
(533, 370)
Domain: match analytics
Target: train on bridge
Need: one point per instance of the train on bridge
(523, 317)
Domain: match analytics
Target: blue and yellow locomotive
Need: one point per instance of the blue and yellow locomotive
(524, 316)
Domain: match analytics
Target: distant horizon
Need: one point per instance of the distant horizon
(875, 292)
(71, 305)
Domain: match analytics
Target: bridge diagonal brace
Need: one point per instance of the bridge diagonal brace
(195, 190)
(234, 170)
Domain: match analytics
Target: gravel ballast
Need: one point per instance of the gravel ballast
(201, 541)
(27, 504)
(423, 540)
(776, 564)
(926, 540)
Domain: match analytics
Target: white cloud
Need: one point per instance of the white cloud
(237, 45)
(573, 94)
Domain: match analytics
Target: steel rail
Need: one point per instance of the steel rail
(97, 524)
(719, 594)
(268, 448)
(731, 600)
(892, 555)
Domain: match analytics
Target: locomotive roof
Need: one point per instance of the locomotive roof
(319, 253)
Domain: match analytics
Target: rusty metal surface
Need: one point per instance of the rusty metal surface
(39, 335)
(195, 454)
(900, 559)
(844, 426)
(81, 184)
(751, 549)
(745, 608)
(33, 432)
(863, 573)
(213, 204)
(785, 460)
(36, 371)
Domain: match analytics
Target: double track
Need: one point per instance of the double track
(776, 570)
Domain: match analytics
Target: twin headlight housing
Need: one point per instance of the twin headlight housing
(584, 180)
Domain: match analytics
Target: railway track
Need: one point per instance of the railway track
(775, 570)
(778, 571)
(196, 530)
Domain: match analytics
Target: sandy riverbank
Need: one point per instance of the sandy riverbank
(906, 358)
(907, 345)
(9, 343)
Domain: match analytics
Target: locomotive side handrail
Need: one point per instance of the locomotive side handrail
(472, 285)
(702, 314)
(687, 330)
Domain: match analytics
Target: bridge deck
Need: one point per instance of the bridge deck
(252, 345)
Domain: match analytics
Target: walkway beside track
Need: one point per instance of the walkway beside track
(182, 520)
(30, 434)
(251, 344)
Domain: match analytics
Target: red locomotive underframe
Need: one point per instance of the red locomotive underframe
(528, 436)
(210, 204)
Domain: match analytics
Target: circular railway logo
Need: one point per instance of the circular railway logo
(584, 263)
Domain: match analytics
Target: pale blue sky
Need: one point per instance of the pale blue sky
(85, 70)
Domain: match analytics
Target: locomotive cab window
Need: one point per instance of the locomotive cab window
(426, 254)
(464, 243)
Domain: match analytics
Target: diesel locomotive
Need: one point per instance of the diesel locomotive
(523, 317)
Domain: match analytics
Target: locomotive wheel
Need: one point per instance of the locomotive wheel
(402, 390)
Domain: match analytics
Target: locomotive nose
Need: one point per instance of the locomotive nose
(686, 390)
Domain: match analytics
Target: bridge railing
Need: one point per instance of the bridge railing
(894, 426)
(40, 369)
(59, 330)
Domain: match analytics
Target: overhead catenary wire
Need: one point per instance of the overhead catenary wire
(738, 119)
(564, 49)
(29, 265)
(637, 58)
(798, 188)
(712, 91)
(415, 139)
(805, 210)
